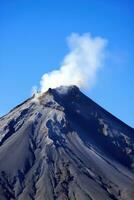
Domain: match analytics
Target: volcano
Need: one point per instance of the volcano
(60, 145)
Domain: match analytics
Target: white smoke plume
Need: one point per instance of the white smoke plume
(80, 65)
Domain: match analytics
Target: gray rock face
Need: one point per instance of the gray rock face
(63, 146)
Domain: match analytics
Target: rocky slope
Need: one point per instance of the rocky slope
(63, 146)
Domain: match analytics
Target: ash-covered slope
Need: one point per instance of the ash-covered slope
(63, 146)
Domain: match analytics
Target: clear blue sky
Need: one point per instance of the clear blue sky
(32, 42)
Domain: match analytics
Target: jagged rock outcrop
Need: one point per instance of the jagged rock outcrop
(63, 146)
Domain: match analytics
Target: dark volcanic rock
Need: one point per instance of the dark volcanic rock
(63, 146)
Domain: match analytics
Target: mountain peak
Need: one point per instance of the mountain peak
(62, 145)
(64, 90)
(61, 95)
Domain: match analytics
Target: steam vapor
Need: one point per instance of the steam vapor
(79, 67)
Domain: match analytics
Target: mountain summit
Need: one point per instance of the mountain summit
(60, 145)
